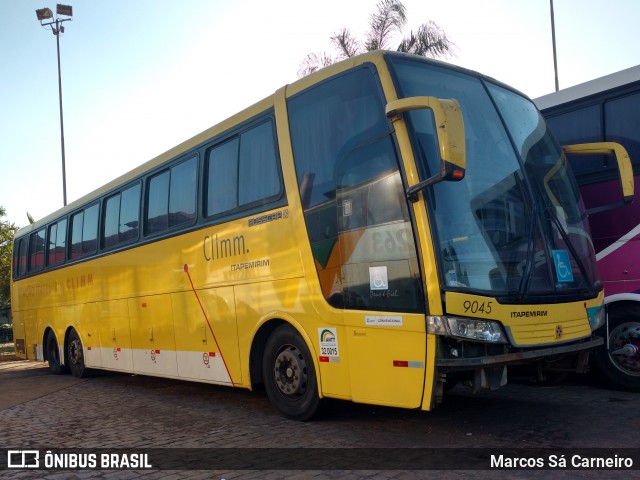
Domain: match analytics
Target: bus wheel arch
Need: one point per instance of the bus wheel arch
(620, 371)
(257, 349)
(51, 352)
(287, 369)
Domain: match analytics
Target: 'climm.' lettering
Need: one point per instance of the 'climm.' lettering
(216, 248)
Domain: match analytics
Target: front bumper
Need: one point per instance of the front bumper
(524, 356)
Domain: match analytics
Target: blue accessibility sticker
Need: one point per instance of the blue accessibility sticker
(563, 266)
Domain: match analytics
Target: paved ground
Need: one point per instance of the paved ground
(43, 411)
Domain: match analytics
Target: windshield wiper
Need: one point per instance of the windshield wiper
(554, 218)
(528, 272)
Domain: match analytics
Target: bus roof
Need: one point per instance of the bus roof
(376, 56)
(586, 89)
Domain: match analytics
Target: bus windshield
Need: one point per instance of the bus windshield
(515, 225)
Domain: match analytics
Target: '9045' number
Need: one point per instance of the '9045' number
(477, 307)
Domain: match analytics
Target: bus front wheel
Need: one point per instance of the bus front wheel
(289, 375)
(53, 354)
(75, 355)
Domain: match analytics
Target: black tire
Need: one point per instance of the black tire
(620, 370)
(289, 375)
(53, 354)
(75, 355)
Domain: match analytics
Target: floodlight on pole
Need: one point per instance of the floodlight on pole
(66, 10)
(57, 28)
(44, 14)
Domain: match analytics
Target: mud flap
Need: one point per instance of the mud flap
(489, 378)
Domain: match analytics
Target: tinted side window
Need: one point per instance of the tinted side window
(326, 122)
(121, 217)
(15, 258)
(158, 210)
(129, 214)
(182, 193)
(111, 221)
(22, 257)
(243, 171)
(583, 125)
(36, 250)
(222, 176)
(352, 195)
(258, 169)
(622, 117)
(90, 231)
(84, 232)
(171, 198)
(76, 235)
(57, 242)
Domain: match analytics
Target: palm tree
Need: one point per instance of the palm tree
(388, 21)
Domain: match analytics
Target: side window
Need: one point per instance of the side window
(90, 231)
(327, 121)
(182, 193)
(622, 116)
(15, 261)
(22, 257)
(171, 198)
(583, 125)
(84, 232)
(222, 176)
(111, 221)
(121, 217)
(76, 235)
(57, 243)
(375, 239)
(352, 196)
(243, 171)
(158, 203)
(257, 169)
(129, 225)
(36, 250)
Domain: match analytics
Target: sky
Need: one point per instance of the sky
(139, 77)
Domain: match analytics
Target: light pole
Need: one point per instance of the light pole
(57, 28)
(553, 41)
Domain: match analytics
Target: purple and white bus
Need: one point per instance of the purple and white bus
(607, 109)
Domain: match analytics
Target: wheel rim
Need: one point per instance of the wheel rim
(624, 348)
(290, 372)
(75, 352)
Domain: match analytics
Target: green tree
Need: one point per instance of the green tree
(385, 25)
(7, 232)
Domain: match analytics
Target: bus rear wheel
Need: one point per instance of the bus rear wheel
(289, 375)
(53, 354)
(618, 363)
(75, 355)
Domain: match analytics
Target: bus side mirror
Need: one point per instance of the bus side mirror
(450, 132)
(624, 167)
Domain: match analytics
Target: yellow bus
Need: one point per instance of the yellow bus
(368, 233)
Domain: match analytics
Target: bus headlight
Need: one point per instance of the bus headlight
(467, 328)
(598, 319)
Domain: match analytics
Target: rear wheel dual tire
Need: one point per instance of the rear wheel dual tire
(75, 355)
(618, 363)
(53, 354)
